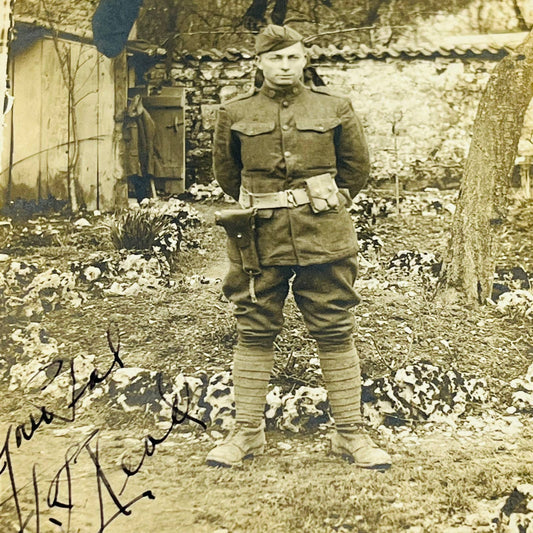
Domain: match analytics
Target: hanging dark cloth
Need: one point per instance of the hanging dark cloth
(112, 22)
(142, 159)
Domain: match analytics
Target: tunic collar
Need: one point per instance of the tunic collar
(282, 93)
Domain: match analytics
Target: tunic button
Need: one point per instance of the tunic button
(285, 127)
(287, 154)
(285, 103)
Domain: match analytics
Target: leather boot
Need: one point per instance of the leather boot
(242, 443)
(251, 373)
(355, 445)
(342, 375)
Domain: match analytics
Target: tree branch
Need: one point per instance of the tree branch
(522, 24)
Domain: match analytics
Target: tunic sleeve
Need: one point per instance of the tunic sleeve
(353, 164)
(226, 155)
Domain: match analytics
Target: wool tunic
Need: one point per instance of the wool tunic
(272, 140)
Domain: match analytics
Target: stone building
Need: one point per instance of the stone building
(417, 104)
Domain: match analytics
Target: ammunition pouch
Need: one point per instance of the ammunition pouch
(240, 227)
(323, 193)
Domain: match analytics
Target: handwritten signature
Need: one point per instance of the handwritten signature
(60, 490)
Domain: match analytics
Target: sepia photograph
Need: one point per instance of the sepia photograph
(266, 266)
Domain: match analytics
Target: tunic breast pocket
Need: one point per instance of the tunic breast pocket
(316, 136)
(256, 143)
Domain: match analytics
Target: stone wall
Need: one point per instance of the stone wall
(72, 16)
(417, 113)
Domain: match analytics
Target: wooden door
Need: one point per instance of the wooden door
(167, 111)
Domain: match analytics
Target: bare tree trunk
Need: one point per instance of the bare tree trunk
(6, 22)
(468, 269)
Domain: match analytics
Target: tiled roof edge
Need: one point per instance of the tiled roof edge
(466, 46)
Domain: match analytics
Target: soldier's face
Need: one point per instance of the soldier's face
(283, 67)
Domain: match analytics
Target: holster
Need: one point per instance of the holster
(322, 191)
(240, 227)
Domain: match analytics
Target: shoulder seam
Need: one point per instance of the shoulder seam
(240, 97)
(326, 91)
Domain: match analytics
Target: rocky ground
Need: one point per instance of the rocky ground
(115, 367)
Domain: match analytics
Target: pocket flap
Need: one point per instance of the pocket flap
(317, 124)
(253, 128)
(321, 186)
(322, 191)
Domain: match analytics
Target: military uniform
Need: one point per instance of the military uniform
(268, 147)
(271, 141)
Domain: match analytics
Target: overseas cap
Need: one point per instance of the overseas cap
(275, 38)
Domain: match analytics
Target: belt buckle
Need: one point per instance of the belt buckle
(291, 200)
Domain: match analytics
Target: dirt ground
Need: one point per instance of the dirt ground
(449, 474)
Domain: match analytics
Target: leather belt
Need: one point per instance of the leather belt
(273, 200)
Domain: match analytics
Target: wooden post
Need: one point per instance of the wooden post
(120, 71)
(395, 132)
(6, 25)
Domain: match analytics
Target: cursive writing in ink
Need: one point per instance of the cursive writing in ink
(71, 456)
(95, 378)
(102, 480)
(20, 431)
(178, 416)
(27, 430)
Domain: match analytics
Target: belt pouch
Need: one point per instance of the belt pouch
(322, 191)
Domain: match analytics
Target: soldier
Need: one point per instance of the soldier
(293, 156)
